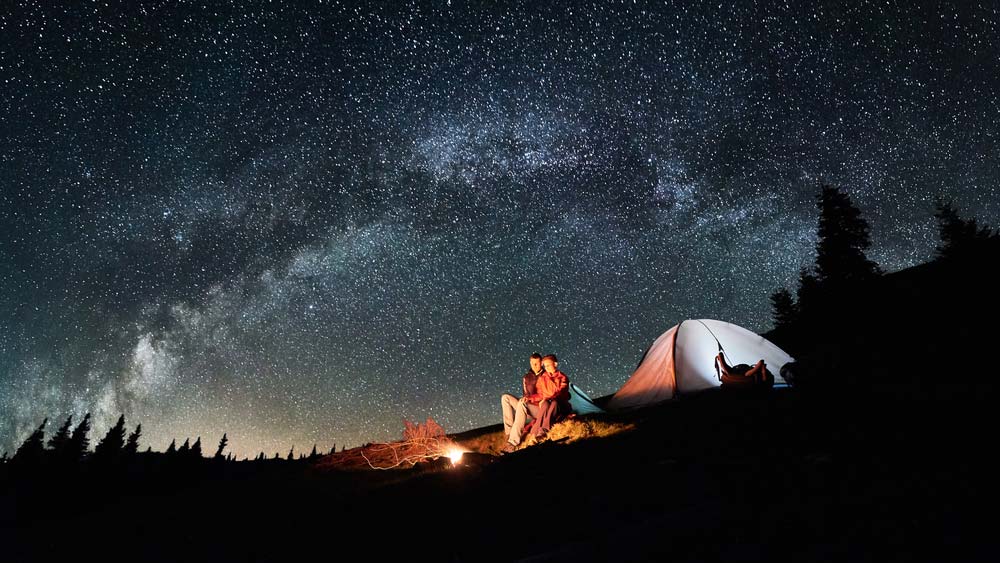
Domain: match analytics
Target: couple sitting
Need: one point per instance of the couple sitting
(545, 401)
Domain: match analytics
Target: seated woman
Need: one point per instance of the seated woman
(552, 394)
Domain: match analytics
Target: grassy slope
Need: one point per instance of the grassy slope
(712, 477)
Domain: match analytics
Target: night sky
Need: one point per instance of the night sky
(303, 222)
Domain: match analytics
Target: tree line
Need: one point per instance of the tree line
(846, 308)
(70, 446)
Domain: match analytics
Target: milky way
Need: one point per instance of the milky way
(301, 223)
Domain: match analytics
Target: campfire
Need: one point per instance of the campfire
(420, 443)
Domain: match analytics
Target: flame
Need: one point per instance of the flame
(455, 455)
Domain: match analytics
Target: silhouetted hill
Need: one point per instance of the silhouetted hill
(711, 477)
(929, 328)
(881, 455)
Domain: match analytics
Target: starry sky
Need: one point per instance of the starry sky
(302, 222)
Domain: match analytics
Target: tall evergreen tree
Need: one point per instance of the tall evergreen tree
(132, 445)
(785, 309)
(111, 445)
(808, 294)
(958, 236)
(185, 448)
(172, 448)
(59, 441)
(843, 239)
(79, 442)
(291, 454)
(222, 446)
(33, 448)
(314, 453)
(196, 449)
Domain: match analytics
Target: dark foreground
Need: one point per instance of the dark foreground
(708, 478)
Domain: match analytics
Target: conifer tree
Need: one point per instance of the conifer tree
(958, 236)
(222, 446)
(132, 445)
(314, 453)
(60, 440)
(185, 448)
(79, 443)
(33, 448)
(172, 448)
(808, 294)
(291, 454)
(843, 239)
(196, 449)
(111, 445)
(784, 308)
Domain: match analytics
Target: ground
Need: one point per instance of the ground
(713, 477)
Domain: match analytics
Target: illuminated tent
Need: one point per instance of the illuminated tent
(682, 360)
(581, 403)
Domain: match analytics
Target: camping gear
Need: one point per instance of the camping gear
(682, 360)
(581, 403)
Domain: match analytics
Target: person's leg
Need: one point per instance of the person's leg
(521, 416)
(508, 403)
(544, 420)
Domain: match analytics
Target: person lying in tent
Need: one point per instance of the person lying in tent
(552, 396)
(743, 375)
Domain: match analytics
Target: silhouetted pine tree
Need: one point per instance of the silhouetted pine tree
(60, 440)
(333, 450)
(79, 442)
(185, 448)
(291, 454)
(196, 449)
(31, 451)
(314, 453)
(172, 448)
(222, 446)
(843, 238)
(959, 236)
(784, 308)
(132, 445)
(110, 447)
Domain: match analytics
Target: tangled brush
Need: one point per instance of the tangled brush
(421, 442)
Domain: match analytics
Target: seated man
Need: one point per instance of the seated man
(517, 412)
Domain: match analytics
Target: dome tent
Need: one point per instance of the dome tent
(682, 360)
(581, 403)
